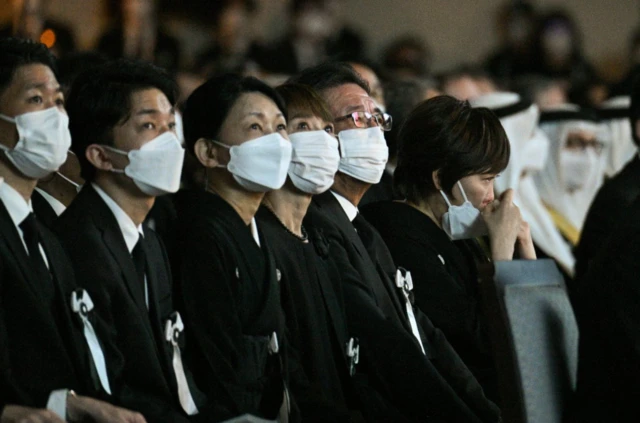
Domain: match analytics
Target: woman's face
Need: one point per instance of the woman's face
(304, 121)
(252, 116)
(478, 188)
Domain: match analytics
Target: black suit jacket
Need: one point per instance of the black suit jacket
(609, 208)
(44, 212)
(139, 359)
(435, 387)
(43, 348)
(607, 309)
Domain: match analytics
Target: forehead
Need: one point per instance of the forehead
(33, 76)
(150, 98)
(253, 102)
(348, 98)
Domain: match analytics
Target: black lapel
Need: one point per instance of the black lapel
(332, 209)
(106, 222)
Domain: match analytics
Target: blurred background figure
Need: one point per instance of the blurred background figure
(516, 23)
(317, 34)
(30, 20)
(466, 82)
(544, 92)
(136, 33)
(558, 55)
(406, 56)
(367, 73)
(232, 40)
(575, 169)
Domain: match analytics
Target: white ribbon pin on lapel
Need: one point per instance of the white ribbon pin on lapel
(173, 329)
(81, 304)
(405, 283)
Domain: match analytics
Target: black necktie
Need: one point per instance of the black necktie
(140, 262)
(31, 236)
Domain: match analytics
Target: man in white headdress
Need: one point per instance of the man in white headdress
(614, 114)
(575, 169)
(529, 148)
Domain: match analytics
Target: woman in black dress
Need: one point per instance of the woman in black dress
(449, 155)
(228, 282)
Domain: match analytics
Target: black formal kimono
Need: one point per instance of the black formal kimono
(430, 386)
(231, 305)
(315, 321)
(606, 304)
(444, 281)
(43, 347)
(138, 355)
(609, 208)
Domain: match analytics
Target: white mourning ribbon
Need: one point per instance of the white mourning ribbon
(81, 304)
(405, 282)
(173, 329)
(353, 352)
(285, 408)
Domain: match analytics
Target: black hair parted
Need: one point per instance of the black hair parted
(447, 135)
(330, 75)
(207, 107)
(17, 52)
(100, 98)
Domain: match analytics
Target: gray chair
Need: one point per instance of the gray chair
(534, 338)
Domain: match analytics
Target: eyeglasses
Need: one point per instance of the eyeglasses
(578, 143)
(362, 119)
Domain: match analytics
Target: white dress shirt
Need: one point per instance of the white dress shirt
(55, 204)
(348, 207)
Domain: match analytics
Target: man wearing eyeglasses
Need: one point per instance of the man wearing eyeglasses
(407, 370)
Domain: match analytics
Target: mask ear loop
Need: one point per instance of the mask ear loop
(446, 199)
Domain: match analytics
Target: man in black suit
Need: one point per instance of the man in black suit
(122, 120)
(611, 205)
(44, 355)
(405, 357)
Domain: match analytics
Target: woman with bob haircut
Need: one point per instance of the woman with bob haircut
(229, 285)
(449, 155)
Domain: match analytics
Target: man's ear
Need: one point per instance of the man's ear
(435, 177)
(97, 155)
(206, 153)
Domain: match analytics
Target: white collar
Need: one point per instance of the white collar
(55, 204)
(347, 206)
(127, 227)
(16, 205)
(254, 230)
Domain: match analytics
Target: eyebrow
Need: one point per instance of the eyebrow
(262, 115)
(153, 111)
(40, 86)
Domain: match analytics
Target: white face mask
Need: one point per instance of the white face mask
(314, 161)
(535, 152)
(577, 167)
(43, 142)
(364, 154)
(463, 222)
(157, 166)
(260, 165)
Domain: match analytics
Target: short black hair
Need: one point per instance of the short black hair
(17, 52)
(634, 109)
(73, 64)
(449, 136)
(330, 75)
(100, 98)
(207, 107)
